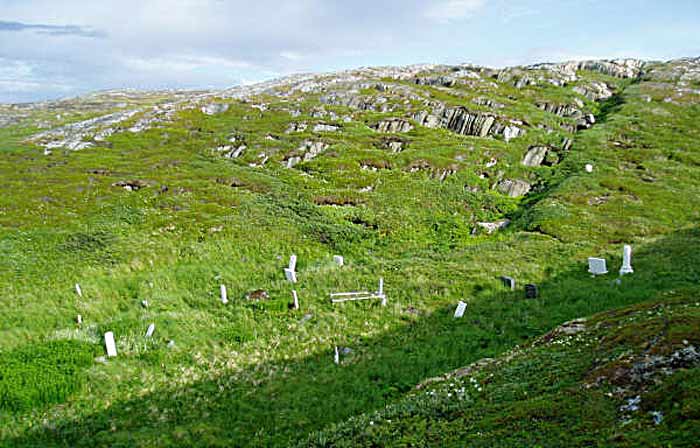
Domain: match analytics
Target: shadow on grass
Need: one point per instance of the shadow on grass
(308, 394)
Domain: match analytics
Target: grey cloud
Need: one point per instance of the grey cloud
(53, 30)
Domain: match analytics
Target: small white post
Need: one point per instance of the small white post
(461, 307)
(338, 259)
(293, 263)
(589, 168)
(336, 356)
(151, 329)
(78, 290)
(296, 299)
(626, 260)
(79, 319)
(144, 303)
(380, 292)
(224, 295)
(111, 346)
(291, 275)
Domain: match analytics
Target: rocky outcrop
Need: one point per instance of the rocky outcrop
(491, 227)
(594, 90)
(514, 188)
(462, 121)
(535, 156)
(481, 101)
(563, 110)
(296, 127)
(307, 151)
(326, 128)
(619, 68)
(214, 108)
(393, 125)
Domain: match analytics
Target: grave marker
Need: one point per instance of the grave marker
(626, 260)
(508, 282)
(293, 263)
(597, 266)
(78, 290)
(291, 275)
(336, 356)
(110, 345)
(79, 319)
(589, 168)
(150, 330)
(531, 291)
(296, 300)
(339, 297)
(461, 307)
(144, 303)
(338, 259)
(224, 295)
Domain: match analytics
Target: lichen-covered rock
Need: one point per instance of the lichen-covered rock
(535, 156)
(307, 151)
(214, 108)
(393, 125)
(462, 121)
(296, 127)
(514, 188)
(326, 128)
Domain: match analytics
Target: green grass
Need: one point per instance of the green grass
(254, 373)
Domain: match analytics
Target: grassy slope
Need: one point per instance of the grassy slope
(253, 373)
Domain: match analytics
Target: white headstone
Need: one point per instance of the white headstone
(597, 266)
(380, 292)
(78, 290)
(224, 295)
(338, 259)
(626, 261)
(589, 168)
(110, 345)
(293, 263)
(291, 275)
(144, 303)
(461, 307)
(151, 329)
(296, 299)
(336, 356)
(79, 319)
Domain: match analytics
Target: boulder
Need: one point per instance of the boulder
(535, 156)
(214, 108)
(393, 125)
(514, 188)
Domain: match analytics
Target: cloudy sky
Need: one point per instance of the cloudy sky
(58, 48)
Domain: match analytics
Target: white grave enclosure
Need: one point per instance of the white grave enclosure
(461, 307)
(338, 259)
(224, 295)
(78, 290)
(339, 297)
(150, 330)
(626, 260)
(110, 345)
(597, 266)
(291, 275)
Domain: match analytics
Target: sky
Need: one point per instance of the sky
(61, 48)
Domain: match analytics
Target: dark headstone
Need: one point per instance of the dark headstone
(531, 291)
(508, 282)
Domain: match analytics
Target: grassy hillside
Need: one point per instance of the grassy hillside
(162, 215)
